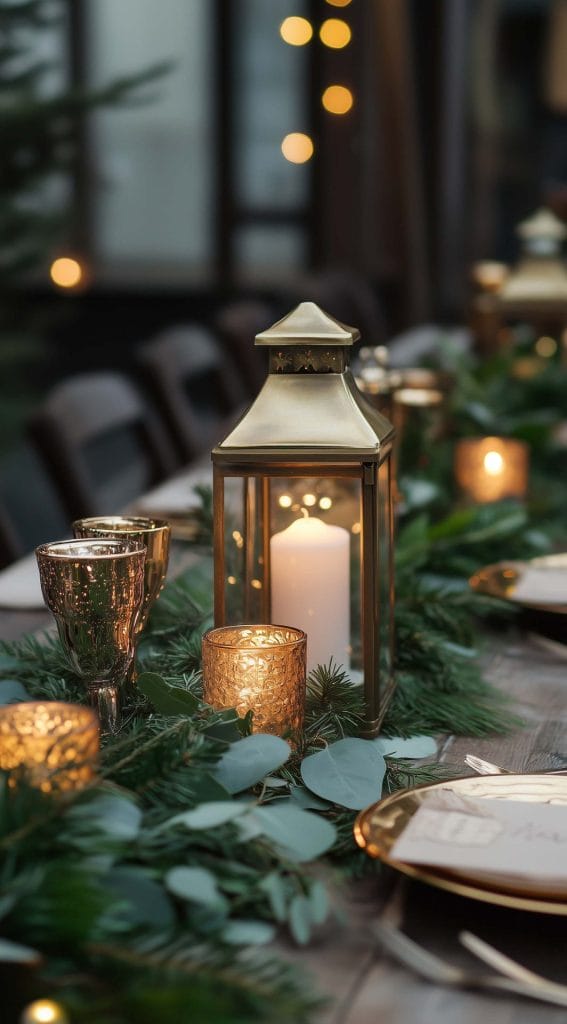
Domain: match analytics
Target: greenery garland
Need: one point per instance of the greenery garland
(152, 893)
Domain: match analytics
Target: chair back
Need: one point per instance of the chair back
(101, 442)
(194, 384)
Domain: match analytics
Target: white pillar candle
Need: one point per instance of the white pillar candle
(310, 589)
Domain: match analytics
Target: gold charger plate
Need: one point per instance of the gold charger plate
(501, 579)
(377, 828)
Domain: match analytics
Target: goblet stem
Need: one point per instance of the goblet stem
(106, 700)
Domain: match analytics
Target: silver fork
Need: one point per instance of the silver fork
(482, 767)
(433, 969)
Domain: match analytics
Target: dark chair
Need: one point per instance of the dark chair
(30, 510)
(101, 443)
(195, 386)
(237, 324)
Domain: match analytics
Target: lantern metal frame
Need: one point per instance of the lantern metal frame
(310, 420)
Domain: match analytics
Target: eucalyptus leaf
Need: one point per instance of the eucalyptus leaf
(147, 902)
(12, 952)
(210, 815)
(111, 813)
(166, 699)
(248, 933)
(318, 902)
(12, 691)
(412, 747)
(307, 800)
(247, 762)
(205, 788)
(301, 835)
(198, 885)
(300, 919)
(227, 726)
(349, 772)
(274, 887)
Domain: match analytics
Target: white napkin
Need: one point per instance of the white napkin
(20, 586)
(175, 496)
(542, 586)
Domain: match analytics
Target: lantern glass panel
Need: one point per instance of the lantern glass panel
(315, 564)
(243, 546)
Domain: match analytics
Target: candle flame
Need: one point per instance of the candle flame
(493, 463)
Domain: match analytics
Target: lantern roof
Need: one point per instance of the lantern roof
(307, 323)
(309, 408)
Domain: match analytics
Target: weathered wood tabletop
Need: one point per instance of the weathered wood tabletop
(364, 985)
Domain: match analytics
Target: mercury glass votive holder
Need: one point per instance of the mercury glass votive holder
(491, 468)
(51, 744)
(260, 669)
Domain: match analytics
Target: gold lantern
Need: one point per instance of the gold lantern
(532, 293)
(303, 507)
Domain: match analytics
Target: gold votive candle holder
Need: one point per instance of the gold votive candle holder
(51, 745)
(491, 468)
(258, 668)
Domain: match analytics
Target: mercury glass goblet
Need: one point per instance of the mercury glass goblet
(153, 534)
(95, 589)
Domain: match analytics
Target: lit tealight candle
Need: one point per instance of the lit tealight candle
(52, 745)
(259, 669)
(44, 1011)
(491, 468)
(310, 574)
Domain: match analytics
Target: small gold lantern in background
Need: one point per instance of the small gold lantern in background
(303, 507)
(414, 399)
(53, 745)
(532, 293)
(491, 468)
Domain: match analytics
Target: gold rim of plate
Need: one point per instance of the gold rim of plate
(500, 579)
(377, 828)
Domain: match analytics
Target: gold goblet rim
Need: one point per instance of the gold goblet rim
(128, 525)
(85, 549)
(215, 634)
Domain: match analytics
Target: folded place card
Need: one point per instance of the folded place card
(511, 838)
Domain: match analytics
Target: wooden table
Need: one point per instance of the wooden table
(365, 986)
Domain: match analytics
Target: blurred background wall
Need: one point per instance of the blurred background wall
(187, 153)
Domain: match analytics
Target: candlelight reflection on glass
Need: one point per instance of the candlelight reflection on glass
(258, 668)
(95, 589)
(51, 744)
(491, 468)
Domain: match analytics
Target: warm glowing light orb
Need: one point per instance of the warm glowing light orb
(66, 272)
(493, 463)
(337, 99)
(297, 147)
(335, 33)
(309, 500)
(44, 1011)
(325, 503)
(285, 501)
(339, 3)
(296, 31)
(546, 347)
